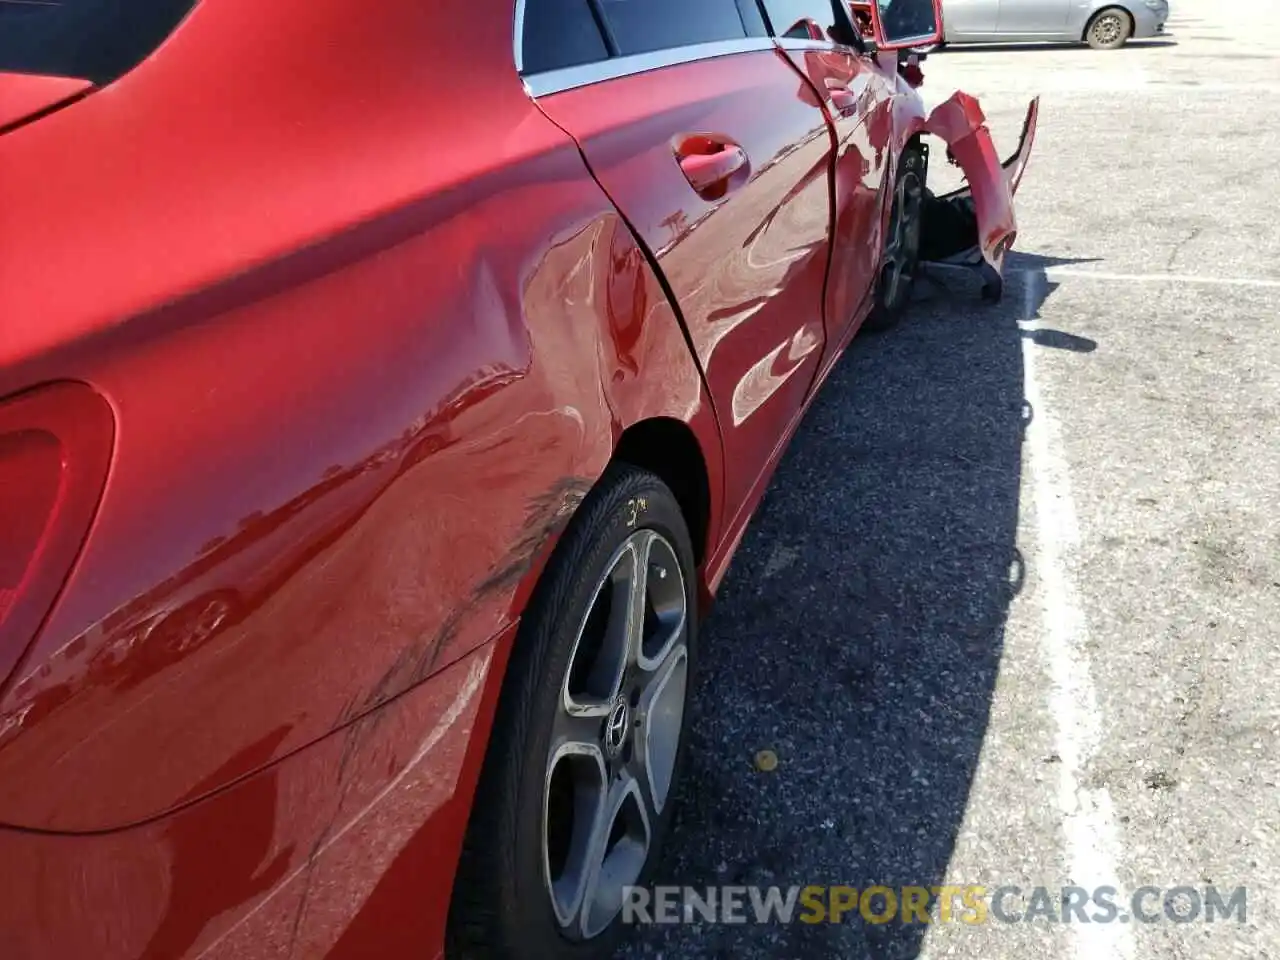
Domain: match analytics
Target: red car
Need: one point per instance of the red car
(384, 390)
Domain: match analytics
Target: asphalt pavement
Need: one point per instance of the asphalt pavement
(1010, 612)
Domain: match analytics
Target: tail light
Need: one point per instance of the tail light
(55, 447)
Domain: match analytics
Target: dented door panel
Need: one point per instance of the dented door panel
(744, 255)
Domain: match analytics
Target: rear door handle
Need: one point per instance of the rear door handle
(709, 163)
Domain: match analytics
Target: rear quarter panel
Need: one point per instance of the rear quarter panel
(340, 851)
(368, 347)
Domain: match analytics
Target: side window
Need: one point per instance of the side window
(752, 18)
(800, 19)
(89, 41)
(560, 33)
(641, 26)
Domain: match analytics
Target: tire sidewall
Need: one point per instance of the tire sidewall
(885, 314)
(644, 499)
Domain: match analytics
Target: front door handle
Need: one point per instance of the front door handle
(710, 163)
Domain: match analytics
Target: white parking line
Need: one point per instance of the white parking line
(1093, 844)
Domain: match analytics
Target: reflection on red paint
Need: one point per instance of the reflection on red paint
(748, 267)
(55, 448)
(354, 378)
(265, 866)
(205, 886)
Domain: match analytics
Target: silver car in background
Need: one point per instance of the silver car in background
(1103, 24)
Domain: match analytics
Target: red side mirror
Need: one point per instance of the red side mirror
(898, 24)
(805, 29)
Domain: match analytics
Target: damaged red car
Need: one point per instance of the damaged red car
(384, 390)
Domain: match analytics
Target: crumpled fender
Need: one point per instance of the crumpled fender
(975, 225)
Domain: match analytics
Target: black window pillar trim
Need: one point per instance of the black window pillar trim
(606, 31)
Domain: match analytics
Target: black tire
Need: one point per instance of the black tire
(893, 294)
(501, 908)
(1109, 29)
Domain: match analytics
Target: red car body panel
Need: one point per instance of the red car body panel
(364, 349)
(24, 95)
(857, 100)
(269, 449)
(960, 122)
(332, 852)
(746, 266)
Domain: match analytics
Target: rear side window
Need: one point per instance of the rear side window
(641, 26)
(794, 18)
(752, 18)
(569, 33)
(560, 33)
(97, 40)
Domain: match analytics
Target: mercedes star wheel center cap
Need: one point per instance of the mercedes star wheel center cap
(615, 728)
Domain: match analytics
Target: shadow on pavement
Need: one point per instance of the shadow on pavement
(1035, 287)
(860, 631)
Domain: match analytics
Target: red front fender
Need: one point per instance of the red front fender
(976, 224)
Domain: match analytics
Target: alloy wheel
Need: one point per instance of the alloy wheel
(615, 737)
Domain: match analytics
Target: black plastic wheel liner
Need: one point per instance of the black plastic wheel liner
(949, 226)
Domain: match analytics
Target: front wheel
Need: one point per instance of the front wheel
(578, 785)
(900, 260)
(1109, 30)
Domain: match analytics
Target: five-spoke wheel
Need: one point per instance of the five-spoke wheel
(615, 734)
(576, 791)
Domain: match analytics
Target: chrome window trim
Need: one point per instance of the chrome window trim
(569, 78)
(795, 43)
(517, 41)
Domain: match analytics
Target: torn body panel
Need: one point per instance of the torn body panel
(975, 225)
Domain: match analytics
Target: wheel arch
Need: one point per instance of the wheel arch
(670, 449)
